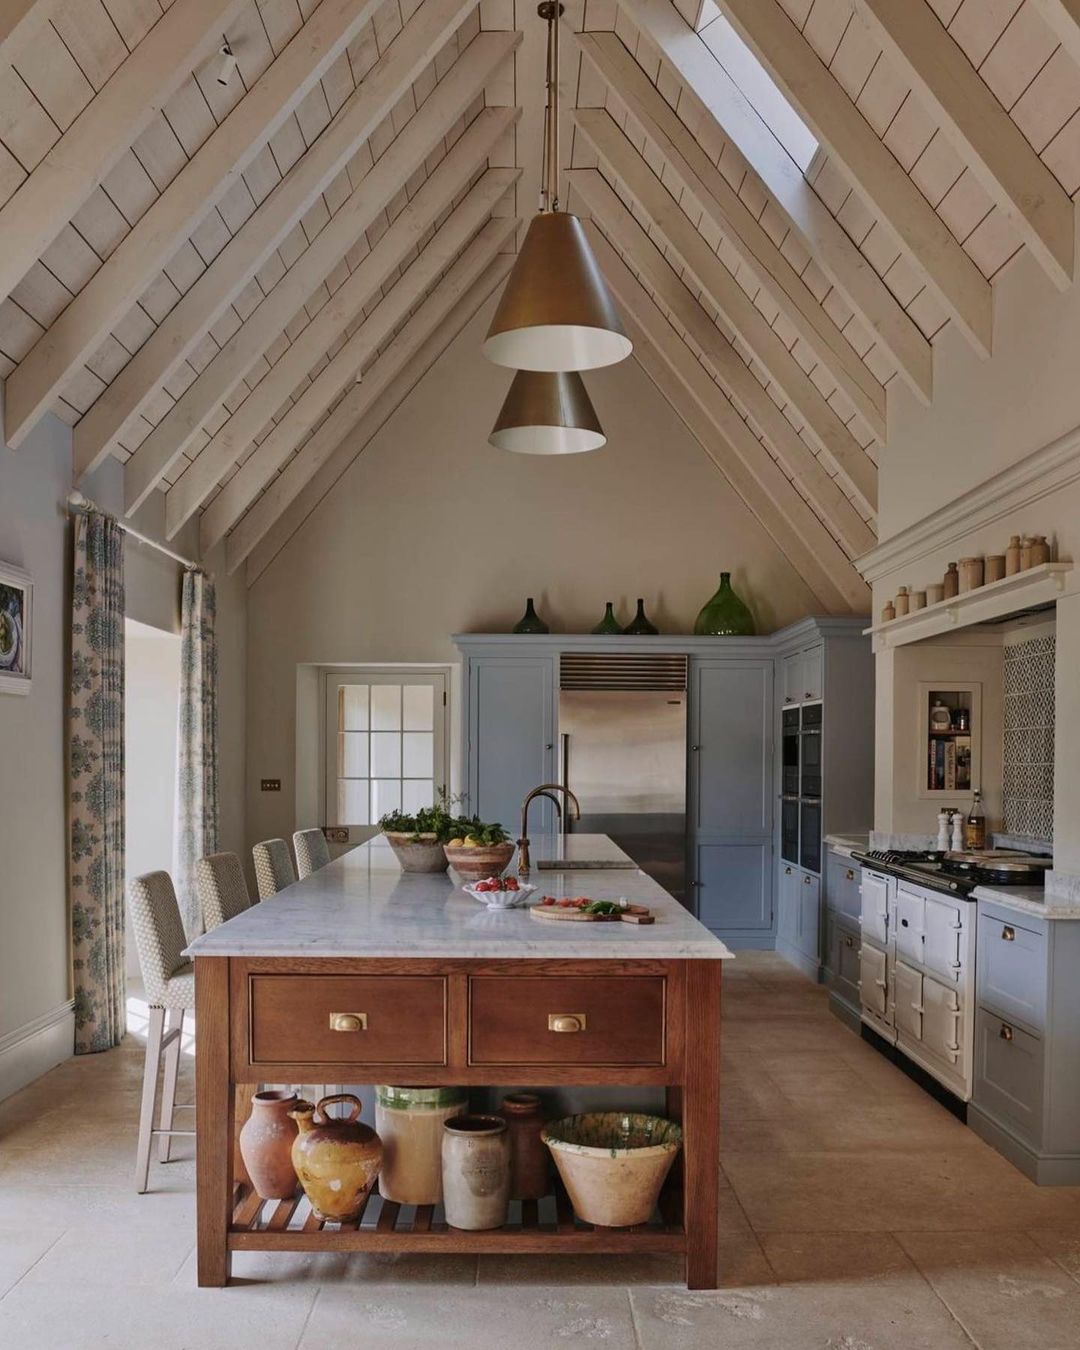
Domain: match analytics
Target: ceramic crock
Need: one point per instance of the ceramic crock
(530, 1162)
(266, 1140)
(410, 1122)
(337, 1161)
(613, 1163)
(476, 1171)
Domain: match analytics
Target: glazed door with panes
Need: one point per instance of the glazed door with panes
(385, 745)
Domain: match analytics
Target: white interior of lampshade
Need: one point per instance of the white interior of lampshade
(557, 347)
(547, 440)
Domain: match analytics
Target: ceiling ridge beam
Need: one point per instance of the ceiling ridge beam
(987, 139)
(17, 21)
(738, 380)
(729, 442)
(119, 112)
(418, 139)
(712, 90)
(227, 152)
(730, 214)
(440, 300)
(822, 420)
(328, 327)
(425, 34)
(824, 105)
(396, 376)
(360, 347)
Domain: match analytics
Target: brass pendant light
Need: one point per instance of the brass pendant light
(547, 413)
(556, 312)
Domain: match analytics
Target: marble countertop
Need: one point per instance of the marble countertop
(582, 852)
(363, 905)
(1030, 900)
(848, 843)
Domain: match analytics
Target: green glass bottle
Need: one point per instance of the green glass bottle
(725, 615)
(530, 621)
(640, 626)
(609, 624)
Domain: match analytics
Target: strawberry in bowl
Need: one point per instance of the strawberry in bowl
(500, 892)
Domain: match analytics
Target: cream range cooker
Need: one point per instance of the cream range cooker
(917, 954)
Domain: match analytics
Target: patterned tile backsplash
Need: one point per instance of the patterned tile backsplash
(1028, 749)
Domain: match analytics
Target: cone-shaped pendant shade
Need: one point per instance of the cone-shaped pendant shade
(556, 312)
(547, 414)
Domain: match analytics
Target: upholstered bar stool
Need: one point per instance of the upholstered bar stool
(311, 851)
(222, 890)
(169, 981)
(273, 867)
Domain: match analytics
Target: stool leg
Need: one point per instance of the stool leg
(154, 1034)
(174, 1022)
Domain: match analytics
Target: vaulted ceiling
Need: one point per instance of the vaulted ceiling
(229, 278)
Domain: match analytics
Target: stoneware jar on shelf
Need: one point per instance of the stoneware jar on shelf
(902, 602)
(475, 1172)
(337, 1161)
(971, 574)
(266, 1141)
(1012, 556)
(530, 1162)
(409, 1121)
(951, 582)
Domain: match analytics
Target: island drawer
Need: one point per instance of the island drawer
(347, 1019)
(593, 1019)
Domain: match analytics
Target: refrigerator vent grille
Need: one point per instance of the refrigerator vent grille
(623, 670)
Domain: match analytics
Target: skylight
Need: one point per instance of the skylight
(756, 85)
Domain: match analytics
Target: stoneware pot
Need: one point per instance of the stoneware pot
(1012, 556)
(995, 568)
(1040, 550)
(613, 1164)
(266, 1140)
(337, 1161)
(410, 1124)
(530, 1162)
(423, 854)
(486, 861)
(951, 582)
(971, 574)
(902, 602)
(475, 1172)
(935, 593)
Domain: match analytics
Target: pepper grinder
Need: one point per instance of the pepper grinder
(957, 831)
(943, 830)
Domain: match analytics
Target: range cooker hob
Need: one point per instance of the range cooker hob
(959, 873)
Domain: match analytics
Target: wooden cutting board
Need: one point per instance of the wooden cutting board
(635, 914)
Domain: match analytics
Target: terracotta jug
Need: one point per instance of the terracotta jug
(337, 1161)
(529, 1157)
(266, 1141)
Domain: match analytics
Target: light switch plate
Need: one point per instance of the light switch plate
(269, 784)
(336, 834)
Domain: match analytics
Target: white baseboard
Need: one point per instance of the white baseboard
(31, 1050)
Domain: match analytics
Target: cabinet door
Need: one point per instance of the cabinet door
(845, 962)
(943, 925)
(511, 738)
(876, 901)
(873, 982)
(908, 996)
(733, 887)
(842, 886)
(731, 748)
(787, 916)
(1009, 1075)
(942, 1017)
(812, 672)
(909, 924)
(791, 674)
(810, 916)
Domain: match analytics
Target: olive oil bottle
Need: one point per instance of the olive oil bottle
(975, 825)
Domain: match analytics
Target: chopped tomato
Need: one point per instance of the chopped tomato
(547, 900)
(563, 904)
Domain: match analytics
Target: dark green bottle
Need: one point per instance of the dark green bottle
(725, 615)
(530, 621)
(609, 624)
(640, 625)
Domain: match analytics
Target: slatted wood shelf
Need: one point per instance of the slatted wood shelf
(533, 1226)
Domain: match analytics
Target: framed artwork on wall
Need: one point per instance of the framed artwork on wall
(16, 629)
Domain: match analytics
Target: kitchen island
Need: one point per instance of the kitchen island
(364, 973)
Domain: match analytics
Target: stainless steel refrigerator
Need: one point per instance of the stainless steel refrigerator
(622, 728)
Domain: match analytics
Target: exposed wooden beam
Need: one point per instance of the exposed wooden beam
(78, 331)
(46, 200)
(729, 213)
(397, 376)
(988, 140)
(730, 443)
(1063, 16)
(404, 60)
(469, 266)
(321, 335)
(825, 107)
(794, 454)
(715, 94)
(17, 18)
(419, 138)
(740, 312)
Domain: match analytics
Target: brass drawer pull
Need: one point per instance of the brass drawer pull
(348, 1021)
(849, 941)
(1006, 1032)
(850, 874)
(1008, 934)
(566, 1021)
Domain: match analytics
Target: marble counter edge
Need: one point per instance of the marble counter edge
(1029, 900)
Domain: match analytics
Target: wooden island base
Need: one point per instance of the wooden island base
(474, 1023)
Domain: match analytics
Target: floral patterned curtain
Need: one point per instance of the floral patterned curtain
(196, 751)
(96, 782)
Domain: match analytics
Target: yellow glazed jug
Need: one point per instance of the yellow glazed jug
(337, 1161)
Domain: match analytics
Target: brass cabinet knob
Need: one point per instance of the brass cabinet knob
(566, 1021)
(1006, 1032)
(849, 941)
(806, 881)
(346, 1021)
(1008, 934)
(850, 874)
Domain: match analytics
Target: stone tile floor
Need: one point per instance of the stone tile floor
(856, 1214)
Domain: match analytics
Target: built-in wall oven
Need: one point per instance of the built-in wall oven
(789, 745)
(810, 835)
(789, 829)
(810, 750)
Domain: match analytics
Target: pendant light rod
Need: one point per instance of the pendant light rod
(551, 11)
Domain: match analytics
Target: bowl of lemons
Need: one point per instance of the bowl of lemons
(478, 849)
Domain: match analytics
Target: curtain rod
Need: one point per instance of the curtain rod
(78, 502)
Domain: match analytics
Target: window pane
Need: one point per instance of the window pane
(385, 796)
(385, 754)
(352, 707)
(386, 707)
(353, 754)
(419, 707)
(416, 793)
(418, 757)
(353, 802)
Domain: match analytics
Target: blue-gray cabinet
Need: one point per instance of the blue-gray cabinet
(510, 732)
(733, 887)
